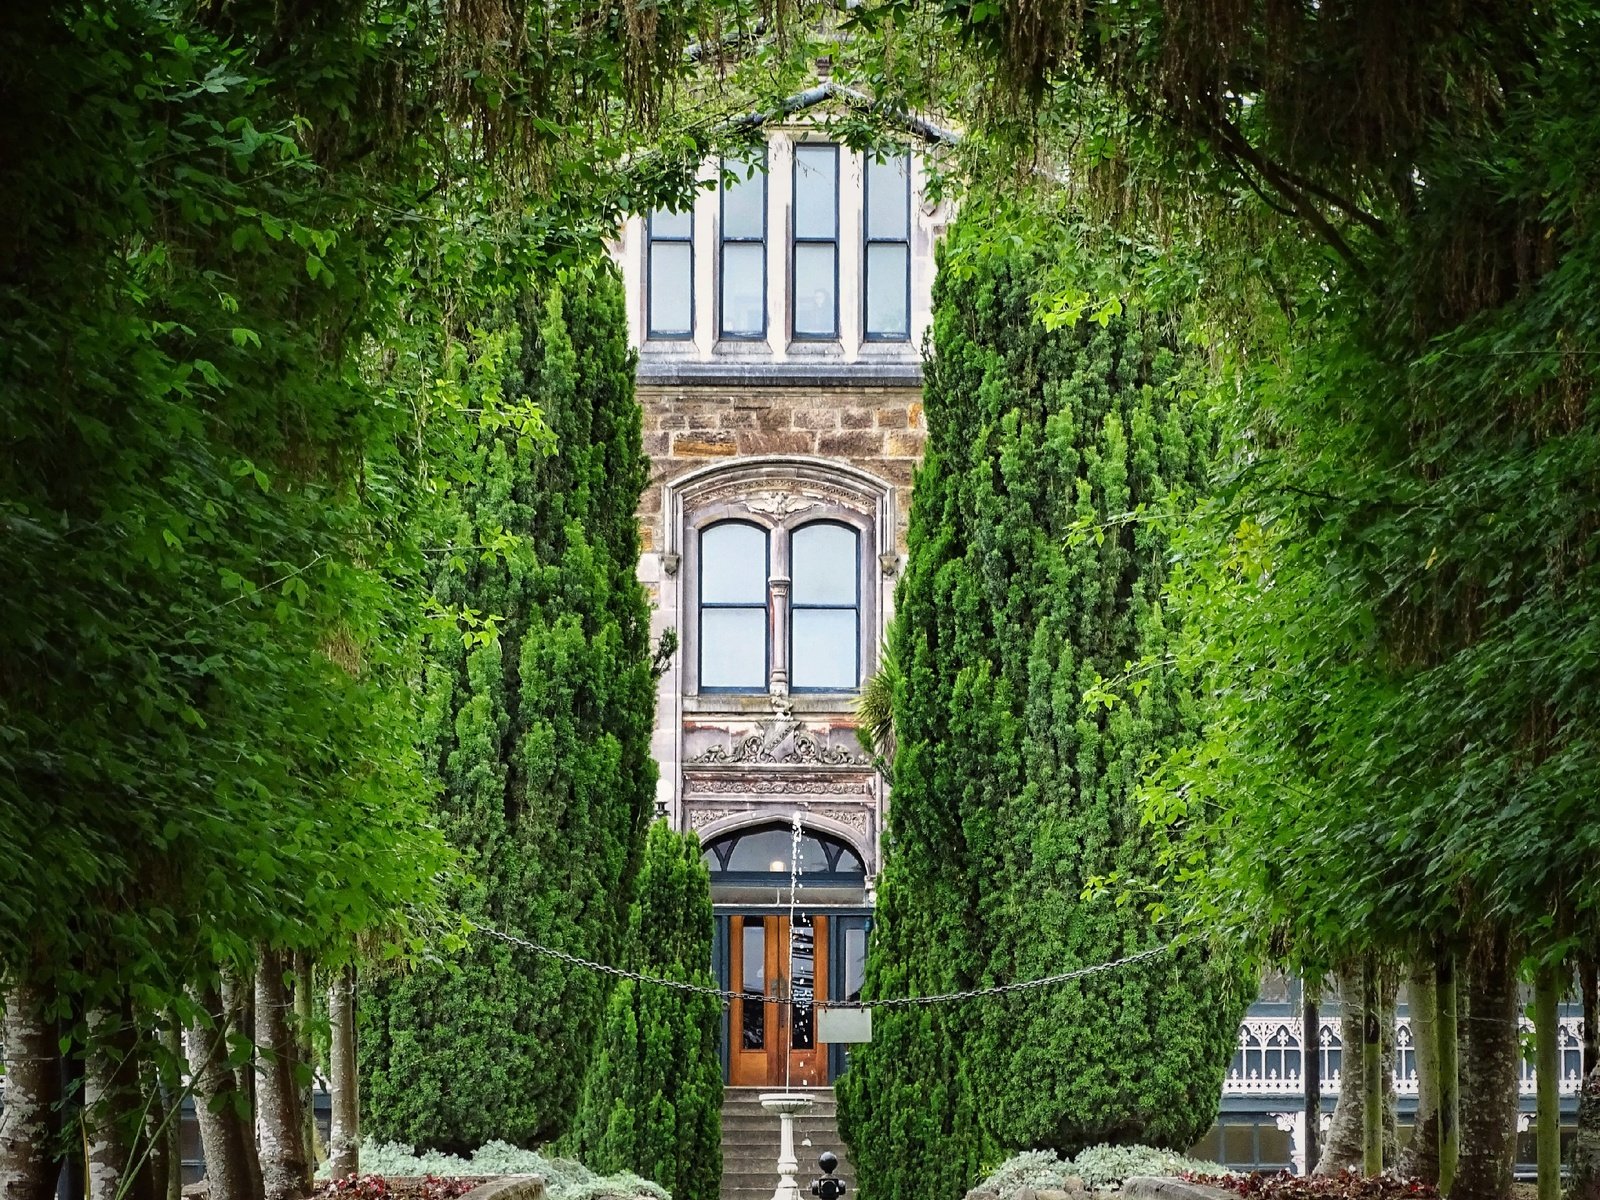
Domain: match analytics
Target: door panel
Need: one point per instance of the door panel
(751, 1046)
(808, 1059)
(763, 1030)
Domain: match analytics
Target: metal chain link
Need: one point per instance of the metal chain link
(602, 968)
(889, 1002)
(1000, 989)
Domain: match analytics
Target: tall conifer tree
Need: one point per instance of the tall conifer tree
(1026, 583)
(652, 1100)
(541, 740)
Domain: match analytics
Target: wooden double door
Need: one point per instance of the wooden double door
(773, 1024)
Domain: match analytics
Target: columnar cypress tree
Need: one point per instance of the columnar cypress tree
(540, 738)
(652, 1101)
(1010, 792)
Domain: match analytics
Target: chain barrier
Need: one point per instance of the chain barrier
(887, 1002)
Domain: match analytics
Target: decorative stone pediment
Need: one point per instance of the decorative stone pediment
(779, 739)
(774, 489)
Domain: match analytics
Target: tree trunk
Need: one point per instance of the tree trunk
(239, 996)
(1389, 1047)
(1372, 1106)
(1585, 1183)
(1449, 1068)
(1547, 1069)
(285, 1173)
(113, 1106)
(1589, 985)
(163, 1084)
(1342, 1150)
(1311, 1073)
(30, 1123)
(304, 1017)
(1420, 1159)
(345, 1139)
(221, 1110)
(1490, 1052)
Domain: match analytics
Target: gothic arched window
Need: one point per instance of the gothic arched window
(733, 607)
(825, 608)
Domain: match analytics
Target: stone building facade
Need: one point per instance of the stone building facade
(779, 327)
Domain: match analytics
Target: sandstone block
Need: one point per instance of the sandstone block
(816, 418)
(710, 443)
(509, 1187)
(1148, 1187)
(782, 441)
(853, 443)
(904, 445)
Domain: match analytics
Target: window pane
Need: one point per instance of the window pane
(762, 850)
(752, 971)
(733, 648)
(855, 961)
(802, 982)
(816, 183)
(824, 565)
(824, 648)
(665, 224)
(753, 1024)
(888, 197)
(744, 288)
(733, 564)
(887, 267)
(744, 203)
(814, 306)
(770, 850)
(669, 287)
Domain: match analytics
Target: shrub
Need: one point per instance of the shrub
(652, 1100)
(1111, 1166)
(564, 1179)
(1102, 1167)
(1035, 569)
(538, 731)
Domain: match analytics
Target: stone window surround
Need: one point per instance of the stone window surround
(780, 494)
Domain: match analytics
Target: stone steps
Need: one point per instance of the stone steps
(750, 1144)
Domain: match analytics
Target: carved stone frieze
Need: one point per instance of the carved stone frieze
(780, 500)
(776, 503)
(702, 785)
(780, 739)
(699, 818)
(857, 818)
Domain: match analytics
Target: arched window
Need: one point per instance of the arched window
(733, 607)
(825, 608)
(768, 850)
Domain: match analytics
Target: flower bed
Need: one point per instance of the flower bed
(396, 1187)
(1347, 1185)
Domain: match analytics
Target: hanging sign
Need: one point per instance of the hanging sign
(844, 1025)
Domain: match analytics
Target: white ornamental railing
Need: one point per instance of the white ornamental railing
(1268, 1061)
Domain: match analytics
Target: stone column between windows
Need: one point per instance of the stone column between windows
(778, 634)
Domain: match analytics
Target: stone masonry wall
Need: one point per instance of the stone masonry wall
(878, 429)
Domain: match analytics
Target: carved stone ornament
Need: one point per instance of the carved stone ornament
(701, 785)
(781, 739)
(857, 819)
(699, 818)
(779, 504)
(779, 500)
